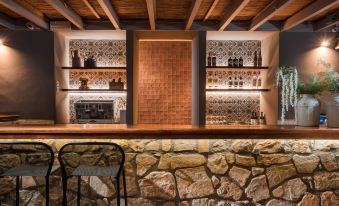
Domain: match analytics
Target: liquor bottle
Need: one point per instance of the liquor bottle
(254, 82)
(259, 60)
(241, 83)
(214, 60)
(230, 62)
(259, 82)
(241, 62)
(235, 62)
(209, 59)
(76, 60)
(230, 82)
(254, 118)
(255, 59)
(236, 82)
(262, 119)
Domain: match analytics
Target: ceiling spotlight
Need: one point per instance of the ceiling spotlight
(325, 44)
(30, 26)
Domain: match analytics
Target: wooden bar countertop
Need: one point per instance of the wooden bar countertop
(103, 131)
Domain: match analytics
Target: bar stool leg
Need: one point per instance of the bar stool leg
(17, 198)
(64, 191)
(124, 185)
(47, 190)
(79, 191)
(117, 182)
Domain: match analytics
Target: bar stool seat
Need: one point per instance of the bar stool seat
(110, 164)
(23, 169)
(85, 170)
(27, 170)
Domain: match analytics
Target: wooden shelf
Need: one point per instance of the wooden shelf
(226, 67)
(238, 90)
(93, 90)
(94, 68)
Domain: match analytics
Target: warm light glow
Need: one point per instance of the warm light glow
(325, 44)
(1, 43)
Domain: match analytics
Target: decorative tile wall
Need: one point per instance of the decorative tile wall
(227, 48)
(225, 107)
(96, 79)
(119, 102)
(165, 82)
(231, 107)
(106, 52)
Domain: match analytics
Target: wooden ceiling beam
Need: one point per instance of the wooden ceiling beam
(209, 12)
(268, 12)
(64, 10)
(193, 12)
(232, 12)
(89, 5)
(106, 5)
(310, 11)
(151, 9)
(7, 22)
(26, 13)
(326, 22)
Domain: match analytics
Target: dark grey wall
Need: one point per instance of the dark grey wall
(302, 49)
(27, 74)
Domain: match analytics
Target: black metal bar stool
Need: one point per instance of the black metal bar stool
(111, 165)
(41, 169)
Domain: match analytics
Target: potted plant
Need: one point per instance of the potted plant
(331, 79)
(308, 106)
(287, 79)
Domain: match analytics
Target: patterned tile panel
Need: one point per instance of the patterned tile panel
(165, 82)
(96, 79)
(231, 107)
(105, 52)
(227, 48)
(119, 102)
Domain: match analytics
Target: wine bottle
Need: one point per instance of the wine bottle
(241, 83)
(254, 81)
(214, 60)
(255, 59)
(259, 82)
(241, 62)
(230, 62)
(209, 59)
(259, 60)
(235, 62)
(262, 119)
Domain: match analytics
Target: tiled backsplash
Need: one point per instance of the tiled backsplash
(119, 103)
(223, 49)
(165, 82)
(231, 107)
(224, 106)
(105, 52)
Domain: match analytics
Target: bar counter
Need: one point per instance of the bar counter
(179, 131)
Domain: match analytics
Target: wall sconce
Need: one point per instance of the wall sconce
(1, 43)
(337, 45)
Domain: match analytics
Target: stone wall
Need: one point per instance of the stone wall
(201, 173)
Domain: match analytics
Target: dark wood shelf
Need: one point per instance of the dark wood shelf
(238, 90)
(93, 90)
(226, 67)
(92, 68)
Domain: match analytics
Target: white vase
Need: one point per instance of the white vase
(332, 109)
(308, 111)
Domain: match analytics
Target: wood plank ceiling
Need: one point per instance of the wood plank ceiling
(171, 14)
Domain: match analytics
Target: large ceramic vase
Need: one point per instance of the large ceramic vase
(308, 111)
(332, 108)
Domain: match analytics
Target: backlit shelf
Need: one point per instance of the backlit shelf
(238, 90)
(93, 90)
(94, 68)
(226, 67)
